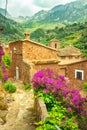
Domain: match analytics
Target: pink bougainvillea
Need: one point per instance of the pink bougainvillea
(3, 74)
(50, 82)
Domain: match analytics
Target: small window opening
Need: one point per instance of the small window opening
(79, 74)
(55, 45)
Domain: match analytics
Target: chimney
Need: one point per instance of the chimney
(27, 36)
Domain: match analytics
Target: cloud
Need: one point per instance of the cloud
(29, 7)
(49, 3)
(2, 3)
(45, 3)
(18, 7)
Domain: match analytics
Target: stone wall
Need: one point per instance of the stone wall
(23, 53)
(30, 68)
(40, 109)
(35, 51)
(70, 73)
(25, 73)
(15, 50)
(54, 44)
(44, 66)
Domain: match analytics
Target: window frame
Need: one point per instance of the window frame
(82, 78)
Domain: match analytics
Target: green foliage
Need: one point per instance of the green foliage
(6, 59)
(68, 34)
(58, 118)
(27, 86)
(9, 87)
(12, 30)
(1, 74)
(46, 127)
(49, 99)
(38, 34)
(85, 86)
(82, 123)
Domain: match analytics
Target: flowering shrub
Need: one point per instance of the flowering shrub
(48, 81)
(3, 74)
(52, 88)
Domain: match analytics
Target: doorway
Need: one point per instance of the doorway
(17, 73)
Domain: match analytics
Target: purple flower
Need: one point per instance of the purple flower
(50, 82)
(3, 69)
(2, 66)
(5, 77)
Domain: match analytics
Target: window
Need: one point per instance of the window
(14, 49)
(55, 45)
(63, 57)
(79, 74)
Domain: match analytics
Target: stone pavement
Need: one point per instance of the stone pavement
(20, 115)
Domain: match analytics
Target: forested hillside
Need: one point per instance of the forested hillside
(70, 34)
(11, 30)
(66, 23)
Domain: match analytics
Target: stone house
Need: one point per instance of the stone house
(28, 57)
(72, 61)
(69, 53)
(76, 72)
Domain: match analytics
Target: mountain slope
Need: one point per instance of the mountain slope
(73, 11)
(70, 12)
(11, 30)
(72, 34)
(40, 15)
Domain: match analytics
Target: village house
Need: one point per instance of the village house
(28, 57)
(69, 53)
(72, 64)
(76, 72)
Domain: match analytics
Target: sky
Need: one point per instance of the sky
(29, 7)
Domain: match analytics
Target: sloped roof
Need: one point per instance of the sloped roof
(33, 42)
(62, 63)
(68, 51)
